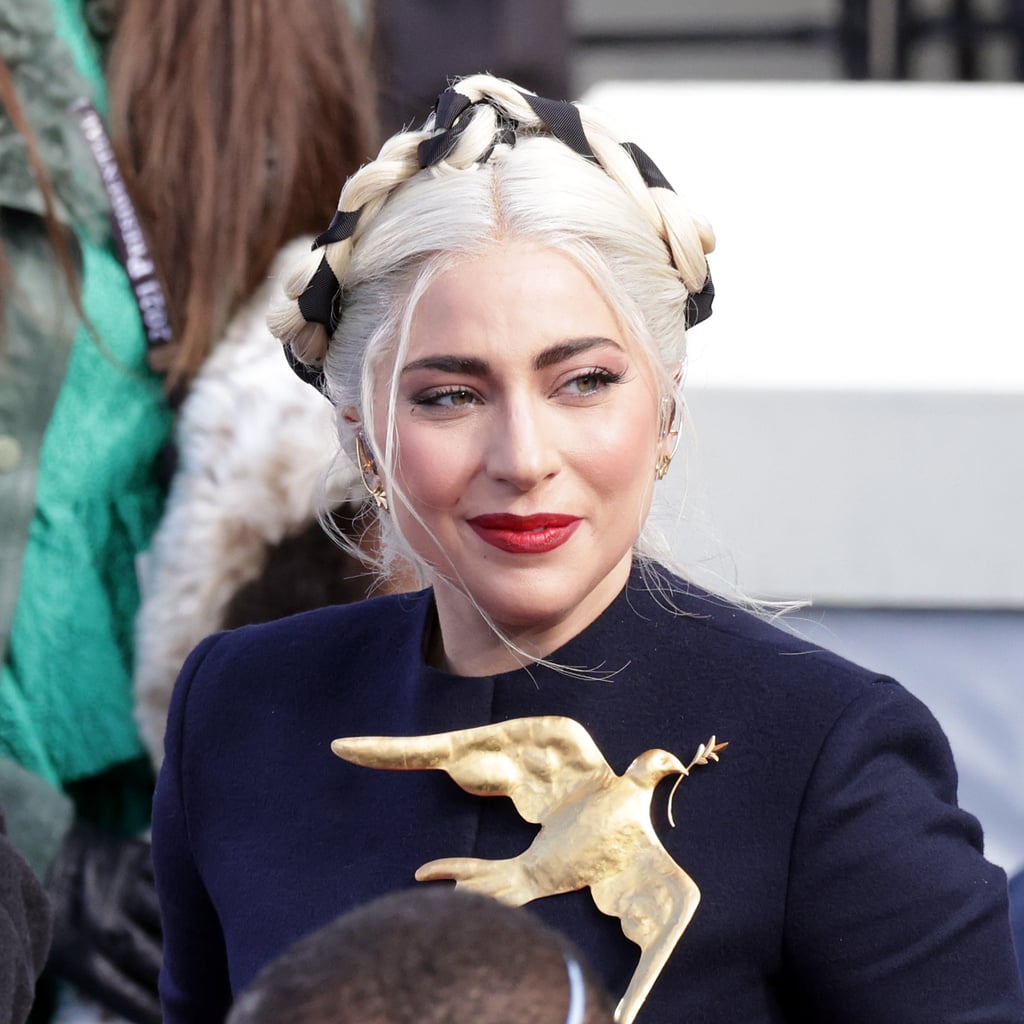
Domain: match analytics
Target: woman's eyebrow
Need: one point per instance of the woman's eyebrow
(567, 349)
(468, 365)
(473, 366)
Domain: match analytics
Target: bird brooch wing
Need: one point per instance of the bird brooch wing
(538, 762)
(654, 899)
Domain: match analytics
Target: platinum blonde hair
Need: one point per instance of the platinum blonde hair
(506, 179)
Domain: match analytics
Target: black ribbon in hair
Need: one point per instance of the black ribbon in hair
(653, 178)
(560, 117)
(564, 122)
(343, 223)
(321, 301)
(310, 374)
(450, 104)
(698, 305)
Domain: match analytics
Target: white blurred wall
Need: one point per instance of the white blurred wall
(857, 399)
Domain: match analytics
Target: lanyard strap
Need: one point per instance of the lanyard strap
(129, 240)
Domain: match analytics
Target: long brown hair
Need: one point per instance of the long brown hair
(236, 122)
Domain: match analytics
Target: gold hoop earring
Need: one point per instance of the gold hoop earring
(668, 431)
(368, 472)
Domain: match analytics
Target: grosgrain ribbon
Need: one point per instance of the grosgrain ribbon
(310, 374)
(653, 178)
(321, 301)
(343, 223)
(563, 121)
(698, 305)
(450, 104)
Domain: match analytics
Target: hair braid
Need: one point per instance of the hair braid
(474, 118)
(687, 236)
(364, 194)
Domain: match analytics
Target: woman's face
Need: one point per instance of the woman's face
(528, 431)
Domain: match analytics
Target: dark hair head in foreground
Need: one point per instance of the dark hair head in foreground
(428, 956)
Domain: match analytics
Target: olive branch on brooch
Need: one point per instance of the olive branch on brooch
(705, 752)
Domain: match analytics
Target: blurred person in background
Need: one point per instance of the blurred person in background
(429, 956)
(419, 42)
(230, 119)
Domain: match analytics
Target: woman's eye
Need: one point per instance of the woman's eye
(455, 398)
(591, 382)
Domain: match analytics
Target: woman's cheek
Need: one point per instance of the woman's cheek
(433, 466)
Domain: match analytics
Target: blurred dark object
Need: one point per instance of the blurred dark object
(24, 932)
(106, 922)
(307, 570)
(1016, 8)
(882, 37)
(870, 39)
(420, 44)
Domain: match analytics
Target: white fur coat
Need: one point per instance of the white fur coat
(254, 445)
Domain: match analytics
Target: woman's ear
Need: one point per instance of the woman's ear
(350, 414)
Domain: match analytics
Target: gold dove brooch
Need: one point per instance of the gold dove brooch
(595, 826)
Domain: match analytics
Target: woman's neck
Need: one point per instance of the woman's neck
(466, 643)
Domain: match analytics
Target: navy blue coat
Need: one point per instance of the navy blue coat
(839, 881)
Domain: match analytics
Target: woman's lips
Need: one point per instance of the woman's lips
(525, 535)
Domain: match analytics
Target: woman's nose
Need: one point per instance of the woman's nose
(522, 449)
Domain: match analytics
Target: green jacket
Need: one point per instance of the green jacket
(82, 421)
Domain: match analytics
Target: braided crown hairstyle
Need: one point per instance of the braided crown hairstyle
(492, 164)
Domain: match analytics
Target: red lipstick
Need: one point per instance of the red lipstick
(525, 535)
